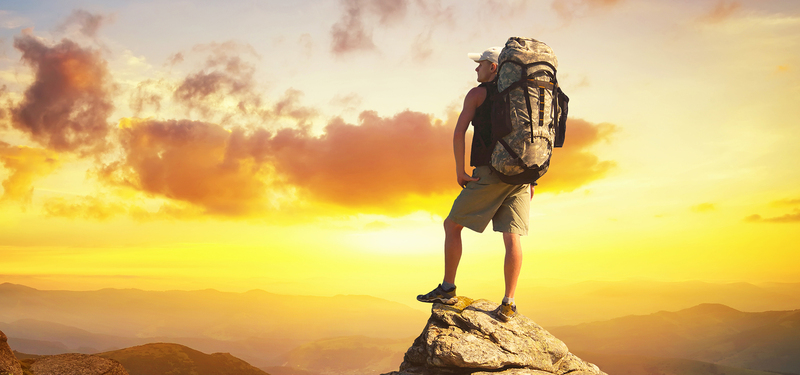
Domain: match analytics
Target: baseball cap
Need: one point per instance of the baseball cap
(491, 54)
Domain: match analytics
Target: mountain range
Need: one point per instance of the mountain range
(256, 326)
(713, 333)
(305, 335)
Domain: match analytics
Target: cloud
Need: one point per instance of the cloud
(349, 33)
(570, 9)
(375, 166)
(146, 96)
(9, 20)
(88, 24)
(226, 76)
(787, 218)
(786, 202)
(575, 165)
(385, 165)
(348, 101)
(189, 161)
(723, 9)
(704, 207)
(174, 59)
(85, 207)
(421, 49)
(67, 105)
(306, 44)
(25, 164)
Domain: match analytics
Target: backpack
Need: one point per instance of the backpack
(529, 113)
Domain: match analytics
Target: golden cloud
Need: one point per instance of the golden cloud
(86, 207)
(575, 165)
(704, 207)
(25, 164)
(787, 218)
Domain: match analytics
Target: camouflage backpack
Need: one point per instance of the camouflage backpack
(529, 114)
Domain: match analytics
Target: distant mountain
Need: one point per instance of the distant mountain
(354, 355)
(256, 325)
(177, 359)
(639, 365)
(766, 341)
(33, 336)
(588, 301)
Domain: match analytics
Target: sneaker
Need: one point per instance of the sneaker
(506, 311)
(439, 295)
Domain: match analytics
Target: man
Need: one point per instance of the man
(484, 197)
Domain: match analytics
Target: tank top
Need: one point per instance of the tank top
(481, 153)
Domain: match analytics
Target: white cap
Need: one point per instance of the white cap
(490, 54)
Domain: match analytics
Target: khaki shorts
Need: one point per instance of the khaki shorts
(489, 199)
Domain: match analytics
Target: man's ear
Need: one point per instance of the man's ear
(494, 68)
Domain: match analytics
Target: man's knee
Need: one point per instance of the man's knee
(511, 240)
(451, 226)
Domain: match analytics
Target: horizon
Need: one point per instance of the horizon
(304, 148)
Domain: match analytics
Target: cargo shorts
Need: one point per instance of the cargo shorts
(489, 199)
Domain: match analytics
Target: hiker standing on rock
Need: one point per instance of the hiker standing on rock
(484, 197)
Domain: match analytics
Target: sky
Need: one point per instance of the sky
(304, 147)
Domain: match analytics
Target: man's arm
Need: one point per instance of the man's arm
(474, 99)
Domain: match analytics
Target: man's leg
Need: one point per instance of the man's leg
(452, 249)
(513, 262)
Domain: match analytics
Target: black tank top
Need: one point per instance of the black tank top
(482, 122)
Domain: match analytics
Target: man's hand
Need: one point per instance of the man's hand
(463, 178)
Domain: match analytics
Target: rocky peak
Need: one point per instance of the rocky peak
(9, 365)
(467, 338)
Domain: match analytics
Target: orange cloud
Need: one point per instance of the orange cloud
(575, 165)
(67, 105)
(25, 164)
(376, 166)
(569, 9)
(189, 161)
(722, 10)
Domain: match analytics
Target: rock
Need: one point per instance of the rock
(467, 338)
(9, 365)
(77, 364)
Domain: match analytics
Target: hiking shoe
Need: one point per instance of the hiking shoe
(506, 311)
(439, 295)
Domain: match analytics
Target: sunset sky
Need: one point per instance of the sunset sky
(304, 147)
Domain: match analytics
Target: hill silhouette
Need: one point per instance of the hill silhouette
(765, 341)
(174, 359)
(618, 364)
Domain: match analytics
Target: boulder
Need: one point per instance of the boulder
(9, 365)
(468, 338)
(77, 364)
